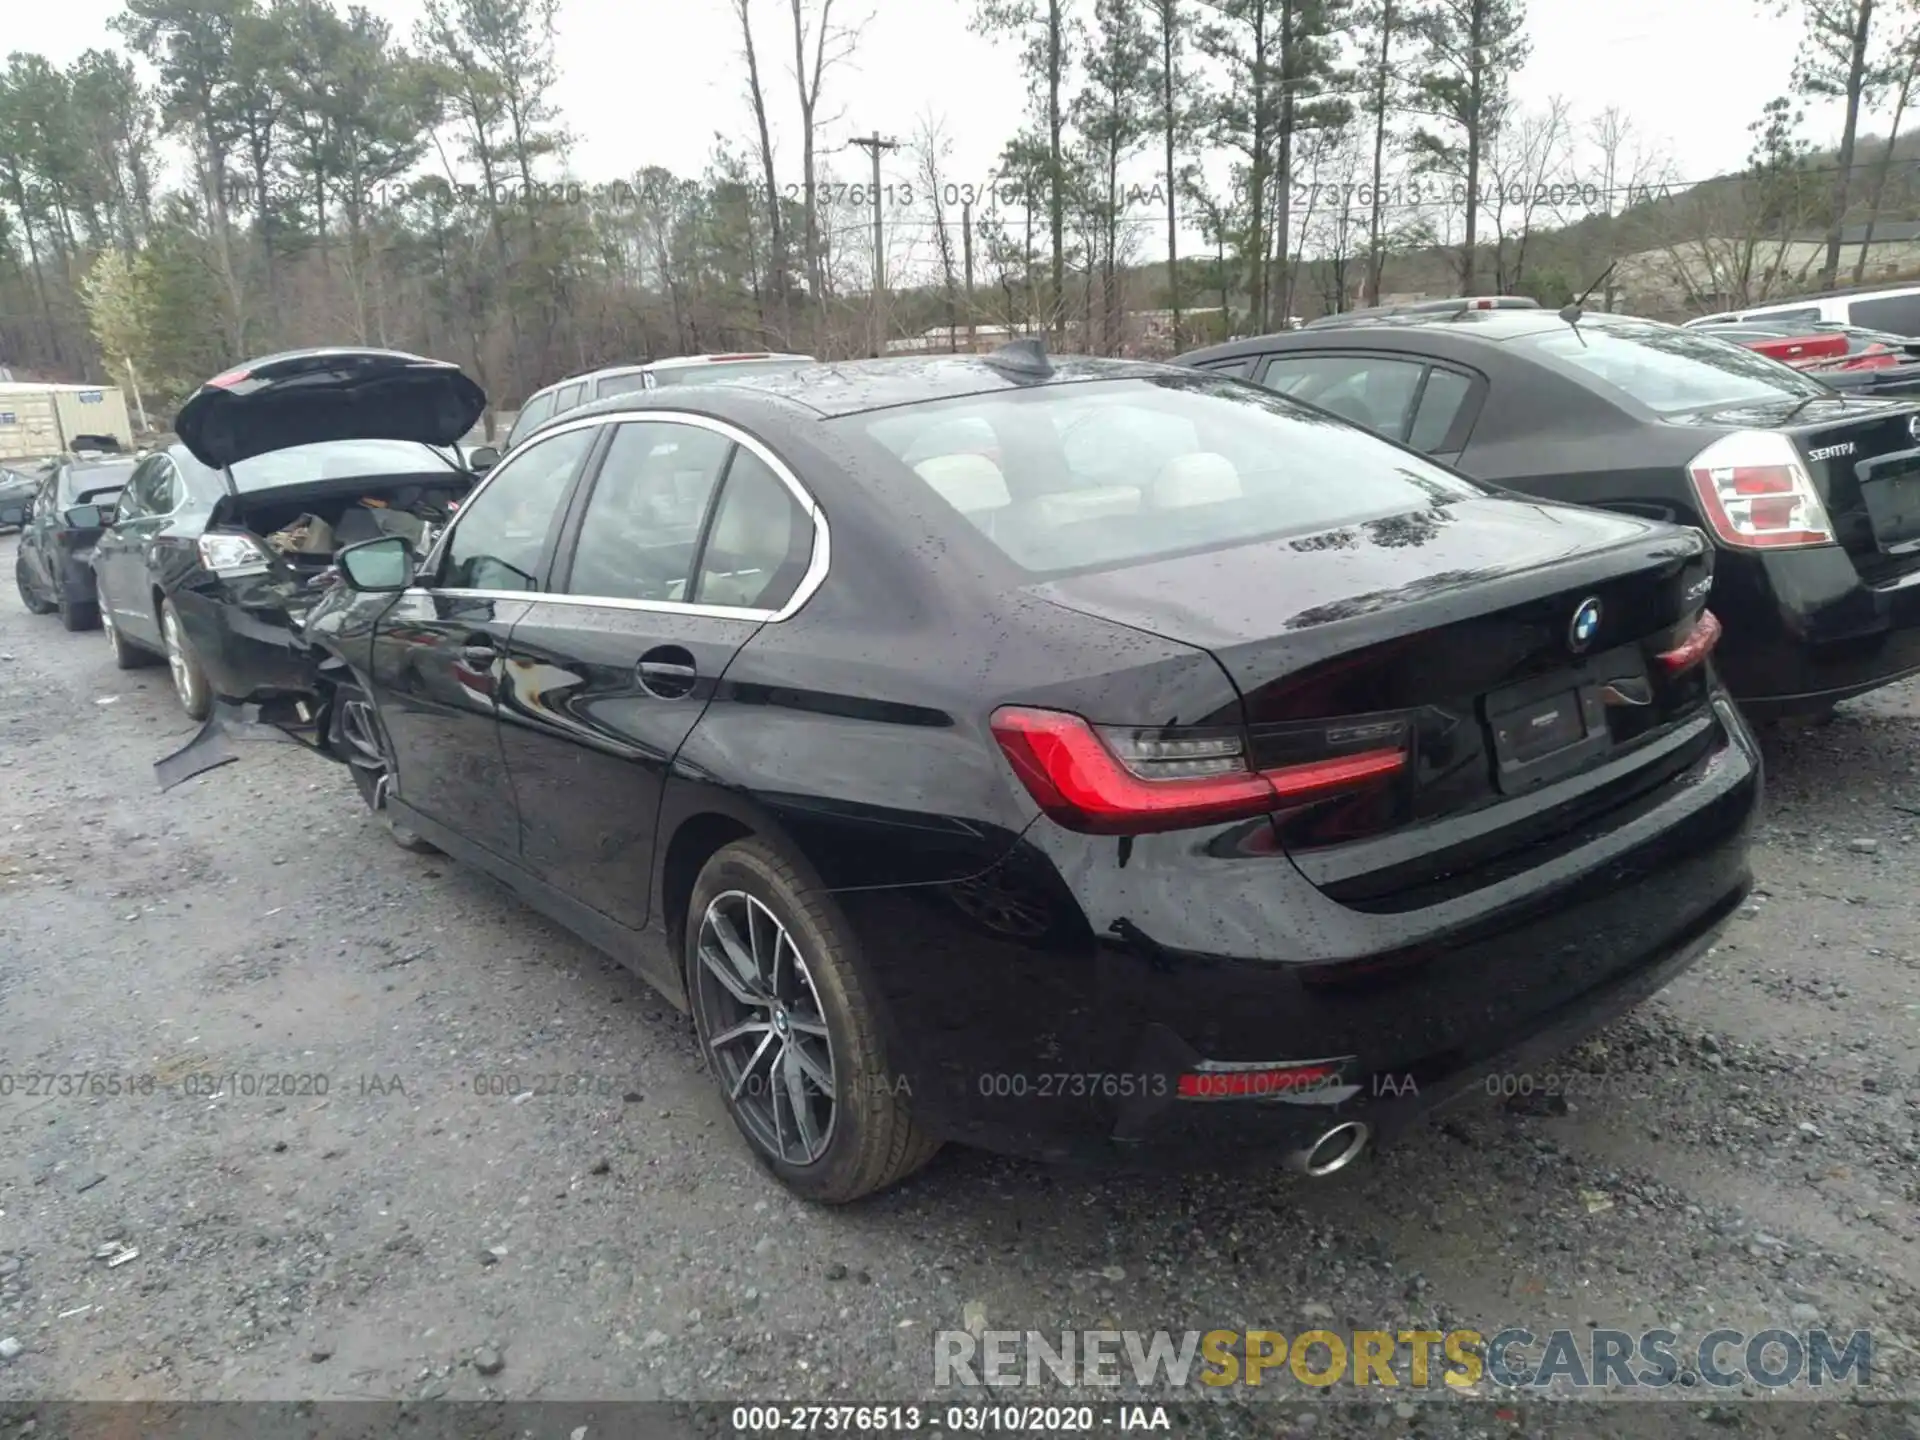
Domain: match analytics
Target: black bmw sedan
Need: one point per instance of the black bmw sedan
(1077, 758)
(1811, 497)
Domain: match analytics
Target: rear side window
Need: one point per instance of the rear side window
(537, 409)
(1366, 389)
(1108, 473)
(569, 397)
(761, 543)
(77, 482)
(1440, 404)
(501, 533)
(619, 384)
(1898, 313)
(1240, 368)
(642, 524)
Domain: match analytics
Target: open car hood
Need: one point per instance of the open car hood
(302, 397)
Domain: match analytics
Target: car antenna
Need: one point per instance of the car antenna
(1571, 313)
(1025, 356)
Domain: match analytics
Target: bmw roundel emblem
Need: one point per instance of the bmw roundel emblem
(1585, 625)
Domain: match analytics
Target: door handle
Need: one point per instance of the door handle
(667, 672)
(479, 652)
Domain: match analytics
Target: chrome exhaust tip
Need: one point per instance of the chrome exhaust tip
(1332, 1152)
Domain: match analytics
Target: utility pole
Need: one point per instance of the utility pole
(873, 145)
(966, 251)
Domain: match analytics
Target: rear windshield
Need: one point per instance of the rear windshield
(1669, 370)
(84, 480)
(723, 370)
(1104, 473)
(339, 460)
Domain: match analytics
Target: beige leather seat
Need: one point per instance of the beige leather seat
(1203, 478)
(759, 536)
(971, 483)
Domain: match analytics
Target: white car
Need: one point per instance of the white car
(1892, 308)
(577, 390)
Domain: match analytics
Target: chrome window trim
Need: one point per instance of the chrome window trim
(811, 581)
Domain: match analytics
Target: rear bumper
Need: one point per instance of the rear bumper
(1804, 631)
(249, 653)
(1065, 1041)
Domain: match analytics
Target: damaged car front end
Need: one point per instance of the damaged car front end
(284, 463)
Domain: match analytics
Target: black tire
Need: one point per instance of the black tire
(126, 655)
(80, 615)
(355, 735)
(35, 605)
(190, 685)
(871, 1141)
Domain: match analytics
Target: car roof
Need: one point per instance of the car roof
(851, 387)
(1492, 326)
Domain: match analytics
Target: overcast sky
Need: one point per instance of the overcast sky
(651, 81)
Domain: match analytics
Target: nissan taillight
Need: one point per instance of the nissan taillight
(1126, 780)
(1755, 493)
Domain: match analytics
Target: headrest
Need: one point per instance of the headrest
(1198, 479)
(1070, 507)
(969, 482)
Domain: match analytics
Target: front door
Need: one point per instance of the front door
(686, 545)
(439, 654)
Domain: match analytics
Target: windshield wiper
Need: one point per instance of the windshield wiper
(1801, 405)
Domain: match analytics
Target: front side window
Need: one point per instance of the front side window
(1668, 370)
(761, 542)
(1106, 473)
(501, 533)
(642, 522)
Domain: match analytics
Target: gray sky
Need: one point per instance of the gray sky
(652, 81)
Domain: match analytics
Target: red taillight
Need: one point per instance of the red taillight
(1755, 492)
(1134, 782)
(232, 377)
(1256, 1082)
(1695, 648)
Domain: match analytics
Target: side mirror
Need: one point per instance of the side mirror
(483, 459)
(378, 566)
(85, 517)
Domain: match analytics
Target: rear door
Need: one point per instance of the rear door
(690, 537)
(439, 654)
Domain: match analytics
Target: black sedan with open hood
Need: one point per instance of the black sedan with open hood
(223, 540)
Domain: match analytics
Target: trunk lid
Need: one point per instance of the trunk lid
(1515, 642)
(303, 397)
(1862, 452)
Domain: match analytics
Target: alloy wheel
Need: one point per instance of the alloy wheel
(766, 1033)
(366, 756)
(179, 665)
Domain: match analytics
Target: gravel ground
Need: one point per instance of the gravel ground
(1742, 1152)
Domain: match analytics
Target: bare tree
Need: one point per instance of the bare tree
(1834, 64)
(1895, 76)
(930, 151)
(1529, 154)
(776, 227)
(818, 45)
